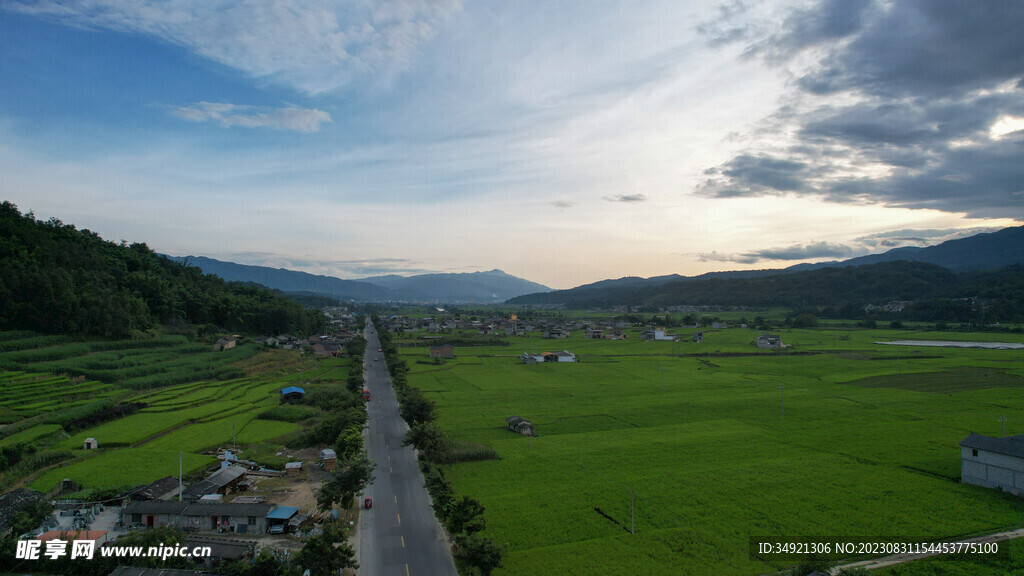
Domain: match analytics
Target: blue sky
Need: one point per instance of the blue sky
(561, 142)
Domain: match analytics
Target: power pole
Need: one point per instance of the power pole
(179, 476)
(782, 404)
(1003, 420)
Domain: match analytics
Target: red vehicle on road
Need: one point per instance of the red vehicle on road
(368, 502)
(366, 394)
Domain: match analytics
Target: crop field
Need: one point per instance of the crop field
(192, 419)
(195, 400)
(720, 442)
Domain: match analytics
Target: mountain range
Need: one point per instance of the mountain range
(482, 287)
(982, 252)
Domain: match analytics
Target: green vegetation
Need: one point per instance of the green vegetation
(721, 441)
(60, 280)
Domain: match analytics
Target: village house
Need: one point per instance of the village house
(200, 516)
(770, 341)
(224, 344)
(91, 444)
(520, 426)
(993, 462)
(659, 335)
(222, 482)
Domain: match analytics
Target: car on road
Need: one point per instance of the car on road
(368, 502)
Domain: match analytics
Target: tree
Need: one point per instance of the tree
(322, 556)
(351, 476)
(265, 564)
(465, 515)
(350, 442)
(441, 492)
(805, 320)
(478, 552)
(428, 438)
(415, 406)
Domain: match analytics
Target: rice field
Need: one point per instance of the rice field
(185, 408)
(720, 442)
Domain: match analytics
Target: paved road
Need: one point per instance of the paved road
(399, 536)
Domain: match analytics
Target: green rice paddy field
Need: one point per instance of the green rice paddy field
(720, 442)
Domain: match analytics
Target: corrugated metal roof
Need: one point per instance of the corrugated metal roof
(292, 390)
(282, 513)
(1009, 446)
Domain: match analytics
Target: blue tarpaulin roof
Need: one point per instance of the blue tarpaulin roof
(282, 513)
(292, 390)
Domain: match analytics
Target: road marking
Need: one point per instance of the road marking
(399, 517)
(403, 541)
(406, 570)
(396, 498)
(390, 470)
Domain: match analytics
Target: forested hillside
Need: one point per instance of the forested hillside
(938, 294)
(55, 278)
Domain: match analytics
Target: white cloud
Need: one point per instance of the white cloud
(312, 45)
(228, 115)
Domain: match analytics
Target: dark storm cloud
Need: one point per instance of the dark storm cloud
(809, 251)
(922, 82)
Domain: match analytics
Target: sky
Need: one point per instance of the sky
(562, 142)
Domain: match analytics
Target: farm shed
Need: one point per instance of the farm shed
(993, 462)
(12, 503)
(293, 468)
(520, 426)
(328, 458)
(156, 490)
(222, 481)
(443, 351)
(292, 393)
(281, 516)
(90, 444)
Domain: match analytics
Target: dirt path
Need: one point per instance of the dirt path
(876, 563)
(164, 433)
(901, 558)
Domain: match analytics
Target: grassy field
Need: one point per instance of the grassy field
(718, 442)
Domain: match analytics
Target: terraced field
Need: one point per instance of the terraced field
(194, 400)
(722, 443)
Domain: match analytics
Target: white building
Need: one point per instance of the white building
(993, 462)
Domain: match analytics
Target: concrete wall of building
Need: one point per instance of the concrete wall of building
(992, 470)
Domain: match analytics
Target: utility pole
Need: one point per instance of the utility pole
(1003, 420)
(782, 400)
(179, 476)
